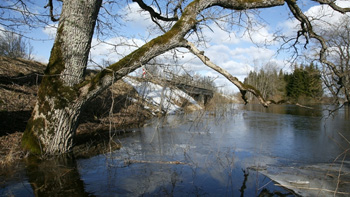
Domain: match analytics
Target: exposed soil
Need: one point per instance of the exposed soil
(19, 80)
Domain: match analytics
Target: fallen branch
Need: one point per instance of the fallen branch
(303, 106)
(128, 162)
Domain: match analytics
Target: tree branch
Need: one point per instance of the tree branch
(333, 5)
(244, 88)
(153, 13)
(308, 32)
(178, 6)
(50, 4)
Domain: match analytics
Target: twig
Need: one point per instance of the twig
(265, 185)
(339, 174)
(344, 137)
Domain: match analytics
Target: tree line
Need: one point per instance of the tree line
(303, 84)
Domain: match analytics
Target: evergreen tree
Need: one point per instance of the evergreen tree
(305, 81)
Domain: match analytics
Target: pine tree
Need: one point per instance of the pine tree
(305, 81)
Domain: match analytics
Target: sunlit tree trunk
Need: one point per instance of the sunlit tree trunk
(54, 119)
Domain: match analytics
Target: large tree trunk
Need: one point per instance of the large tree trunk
(54, 119)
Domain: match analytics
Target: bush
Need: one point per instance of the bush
(14, 46)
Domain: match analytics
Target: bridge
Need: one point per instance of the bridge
(196, 91)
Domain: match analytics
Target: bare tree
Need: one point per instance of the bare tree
(64, 91)
(337, 78)
(14, 46)
(267, 81)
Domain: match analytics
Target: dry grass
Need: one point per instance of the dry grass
(19, 80)
(19, 67)
(10, 149)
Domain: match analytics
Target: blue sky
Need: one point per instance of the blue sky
(235, 51)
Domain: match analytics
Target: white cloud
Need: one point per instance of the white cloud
(218, 53)
(237, 68)
(40, 58)
(51, 30)
(237, 61)
(258, 35)
(113, 49)
(218, 36)
(137, 17)
(138, 22)
(251, 54)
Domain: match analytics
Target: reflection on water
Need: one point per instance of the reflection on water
(200, 154)
(55, 177)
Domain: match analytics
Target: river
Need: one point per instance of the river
(234, 151)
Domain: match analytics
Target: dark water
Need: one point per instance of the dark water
(213, 152)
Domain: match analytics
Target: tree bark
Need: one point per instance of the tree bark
(54, 119)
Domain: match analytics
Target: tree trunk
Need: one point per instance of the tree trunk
(54, 119)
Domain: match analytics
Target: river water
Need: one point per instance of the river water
(233, 151)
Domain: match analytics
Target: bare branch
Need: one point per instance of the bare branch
(333, 5)
(153, 13)
(178, 6)
(242, 87)
(50, 4)
(308, 32)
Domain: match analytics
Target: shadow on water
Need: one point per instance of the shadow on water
(55, 177)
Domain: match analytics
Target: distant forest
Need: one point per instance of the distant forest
(303, 85)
